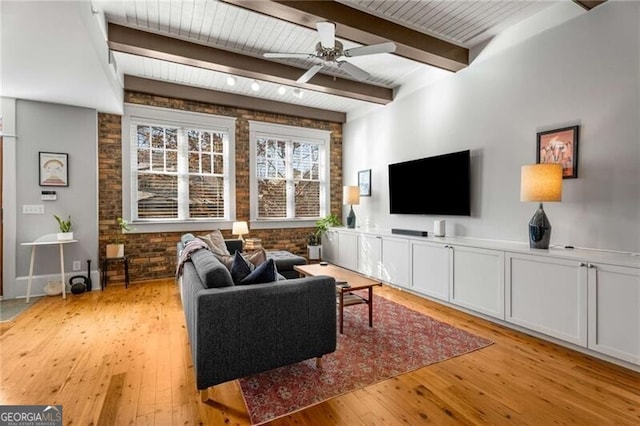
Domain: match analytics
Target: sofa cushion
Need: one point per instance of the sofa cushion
(240, 268)
(212, 273)
(185, 238)
(265, 273)
(255, 258)
(215, 241)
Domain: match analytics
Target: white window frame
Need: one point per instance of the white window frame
(181, 120)
(258, 129)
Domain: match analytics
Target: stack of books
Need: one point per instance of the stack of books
(252, 244)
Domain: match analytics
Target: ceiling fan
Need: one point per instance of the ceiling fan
(329, 50)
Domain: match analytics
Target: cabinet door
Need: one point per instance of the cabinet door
(329, 251)
(369, 255)
(430, 269)
(614, 311)
(394, 268)
(347, 251)
(548, 295)
(477, 280)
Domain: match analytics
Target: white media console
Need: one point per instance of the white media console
(584, 299)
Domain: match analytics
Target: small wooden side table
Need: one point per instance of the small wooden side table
(105, 265)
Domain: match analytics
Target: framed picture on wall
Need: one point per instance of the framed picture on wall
(364, 182)
(54, 169)
(560, 146)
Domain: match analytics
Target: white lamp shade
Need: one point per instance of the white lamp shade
(240, 228)
(351, 195)
(541, 182)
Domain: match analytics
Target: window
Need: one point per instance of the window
(289, 173)
(181, 166)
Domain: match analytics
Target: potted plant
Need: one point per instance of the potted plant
(64, 227)
(314, 240)
(116, 249)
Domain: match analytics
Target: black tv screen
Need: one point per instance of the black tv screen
(438, 185)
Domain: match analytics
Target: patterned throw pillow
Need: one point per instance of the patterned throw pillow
(256, 258)
(265, 273)
(215, 241)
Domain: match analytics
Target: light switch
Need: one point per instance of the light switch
(33, 209)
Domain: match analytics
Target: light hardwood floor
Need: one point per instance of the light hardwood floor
(121, 357)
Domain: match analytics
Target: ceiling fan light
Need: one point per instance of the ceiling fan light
(281, 90)
(255, 86)
(231, 81)
(298, 93)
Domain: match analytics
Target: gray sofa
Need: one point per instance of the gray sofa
(238, 330)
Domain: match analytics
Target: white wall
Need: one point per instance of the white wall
(585, 72)
(53, 128)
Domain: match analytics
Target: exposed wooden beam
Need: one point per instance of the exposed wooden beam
(142, 43)
(179, 91)
(589, 4)
(363, 28)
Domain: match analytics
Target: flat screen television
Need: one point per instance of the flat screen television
(438, 185)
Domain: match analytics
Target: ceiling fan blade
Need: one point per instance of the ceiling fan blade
(387, 47)
(327, 33)
(355, 72)
(289, 55)
(310, 73)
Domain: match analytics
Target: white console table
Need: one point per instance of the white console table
(47, 240)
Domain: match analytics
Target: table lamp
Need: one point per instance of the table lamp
(540, 182)
(351, 196)
(240, 228)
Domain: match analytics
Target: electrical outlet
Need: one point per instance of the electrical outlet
(76, 265)
(33, 209)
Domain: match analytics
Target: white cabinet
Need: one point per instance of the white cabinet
(369, 255)
(476, 279)
(430, 269)
(347, 251)
(330, 246)
(394, 265)
(614, 311)
(384, 258)
(548, 295)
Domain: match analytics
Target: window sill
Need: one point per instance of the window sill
(142, 227)
(281, 224)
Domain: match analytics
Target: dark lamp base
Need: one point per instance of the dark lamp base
(351, 219)
(539, 230)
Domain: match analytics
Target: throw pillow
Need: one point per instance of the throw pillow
(265, 273)
(240, 268)
(255, 258)
(215, 241)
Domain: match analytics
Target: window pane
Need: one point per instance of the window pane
(157, 160)
(272, 198)
(172, 161)
(143, 136)
(144, 162)
(206, 196)
(206, 163)
(194, 163)
(193, 137)
(157, 137)
(157, 195)
(305, 161)
(172, 138)
(218, 144)
(218, 164)
(205, 143)
(307, 199)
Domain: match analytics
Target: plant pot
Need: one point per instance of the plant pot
(64, 236)
(115, 250)
(313, 252)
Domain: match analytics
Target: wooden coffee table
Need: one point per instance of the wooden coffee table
(346, 282)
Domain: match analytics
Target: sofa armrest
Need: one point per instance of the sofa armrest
(243, 330)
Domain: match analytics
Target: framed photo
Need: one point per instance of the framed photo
(560, 146)
(54, 169)
(364, 182)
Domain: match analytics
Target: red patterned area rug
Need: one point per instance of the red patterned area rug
(400, 341)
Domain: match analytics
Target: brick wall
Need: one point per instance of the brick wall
(153, 255)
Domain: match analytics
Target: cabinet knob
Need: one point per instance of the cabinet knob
(582, 264)
(591, 265)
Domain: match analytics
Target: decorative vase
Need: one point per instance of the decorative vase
(115, 250)
(64, 236)
(314, 252)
